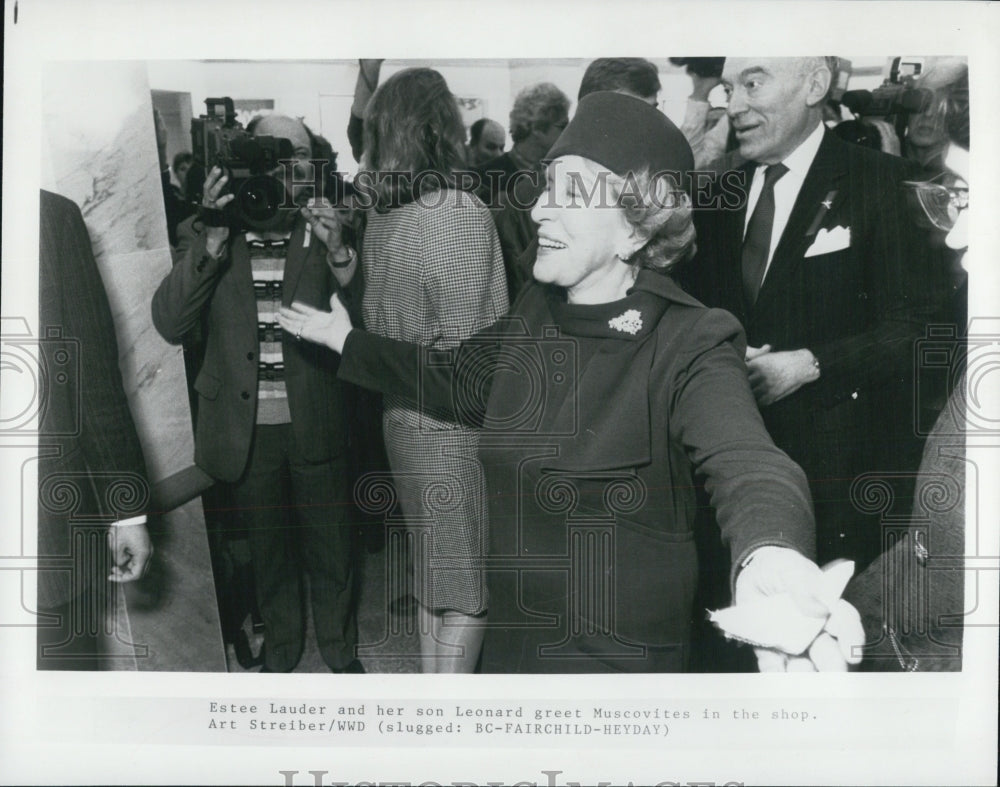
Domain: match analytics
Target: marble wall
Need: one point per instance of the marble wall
(100, 151)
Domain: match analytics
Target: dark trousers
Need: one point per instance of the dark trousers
(296, 515)
(234, 586)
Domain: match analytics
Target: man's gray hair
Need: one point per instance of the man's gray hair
(830, 62)
(537, 105)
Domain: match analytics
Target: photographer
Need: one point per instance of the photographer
(926, 138)
(270, 409)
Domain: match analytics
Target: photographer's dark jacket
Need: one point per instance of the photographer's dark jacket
(595, 420)
(227, 381)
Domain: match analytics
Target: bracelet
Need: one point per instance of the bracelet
(351, 257)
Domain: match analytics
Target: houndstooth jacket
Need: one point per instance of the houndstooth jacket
(434, 274)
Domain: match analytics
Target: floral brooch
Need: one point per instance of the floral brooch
(630, 322)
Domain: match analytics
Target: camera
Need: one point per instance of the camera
(897, 95)
(218, 140)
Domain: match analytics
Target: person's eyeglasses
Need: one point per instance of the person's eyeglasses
(937, 205)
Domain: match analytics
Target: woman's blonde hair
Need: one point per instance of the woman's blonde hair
(659, 210)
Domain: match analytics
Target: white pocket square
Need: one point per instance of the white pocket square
(828, 241)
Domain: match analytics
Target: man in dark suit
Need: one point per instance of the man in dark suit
(92, 485)
(812, 249)
(272, 416)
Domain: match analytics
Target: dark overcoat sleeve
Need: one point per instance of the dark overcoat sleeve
(760, 496)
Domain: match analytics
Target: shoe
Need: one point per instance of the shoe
(244, 654)
(354, 668)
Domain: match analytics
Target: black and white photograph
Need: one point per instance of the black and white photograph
(564, 396)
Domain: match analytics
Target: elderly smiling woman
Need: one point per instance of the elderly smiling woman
(601, 398)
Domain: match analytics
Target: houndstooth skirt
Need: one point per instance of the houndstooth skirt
(442, 494)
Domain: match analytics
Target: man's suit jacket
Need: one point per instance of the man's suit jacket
(91, 467)
(227, 381)
(859, 309)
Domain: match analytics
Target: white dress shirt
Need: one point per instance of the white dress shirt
(786, 189)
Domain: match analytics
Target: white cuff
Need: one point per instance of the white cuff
(132, 520)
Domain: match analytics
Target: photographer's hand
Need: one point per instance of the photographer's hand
(215, 183)
(328, 224)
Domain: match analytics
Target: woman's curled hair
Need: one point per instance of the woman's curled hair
(659, 210)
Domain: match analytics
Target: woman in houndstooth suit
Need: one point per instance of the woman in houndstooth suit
(434, 276)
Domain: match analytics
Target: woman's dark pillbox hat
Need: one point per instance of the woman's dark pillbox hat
(624, 134)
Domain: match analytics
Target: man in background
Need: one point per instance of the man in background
(539, 115)
(486, 141)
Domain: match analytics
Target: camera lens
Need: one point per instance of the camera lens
(259, 201)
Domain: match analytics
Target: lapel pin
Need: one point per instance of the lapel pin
(825, 207)
(629, 322)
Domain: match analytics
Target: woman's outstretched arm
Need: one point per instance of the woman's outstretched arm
(453, 384)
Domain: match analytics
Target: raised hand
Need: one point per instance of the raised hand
(327, 225)
(214, 199)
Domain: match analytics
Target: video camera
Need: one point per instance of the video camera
(219, 140)
(897, 95)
